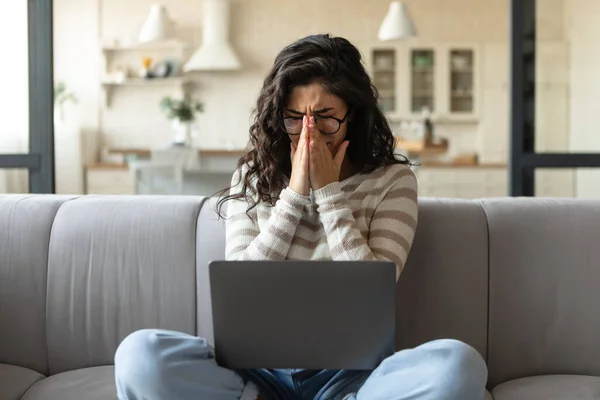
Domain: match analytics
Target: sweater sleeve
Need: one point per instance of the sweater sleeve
(392, 226)
(246, 241)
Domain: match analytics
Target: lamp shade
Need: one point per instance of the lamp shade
(158, 25)
(397, 24)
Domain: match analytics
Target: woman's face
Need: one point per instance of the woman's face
(314, 101)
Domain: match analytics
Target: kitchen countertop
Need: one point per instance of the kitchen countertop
(441, 164)
(145, 153)
(429, 164)
(237, 153)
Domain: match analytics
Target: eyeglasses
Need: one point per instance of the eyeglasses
(325, 125)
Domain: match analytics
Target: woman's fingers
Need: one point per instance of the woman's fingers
(306, 161)
(316, 140)
(304, 132)
(313, 152)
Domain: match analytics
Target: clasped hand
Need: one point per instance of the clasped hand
(313, 165)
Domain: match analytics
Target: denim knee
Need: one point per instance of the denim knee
(138, 366)
(161, 364)
(464, 373)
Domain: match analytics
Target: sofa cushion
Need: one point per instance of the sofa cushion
(543, 288)
(550, 387)
(442, 292)
(209, 247)
(97, 383)
(25, 225)
(14, 381)
(117, 264)
(488, 396)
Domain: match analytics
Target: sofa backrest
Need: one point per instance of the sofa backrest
(77, 275)
(210, 246)
(25, 225)
(442, 292)
(116, 265)
(544, 261)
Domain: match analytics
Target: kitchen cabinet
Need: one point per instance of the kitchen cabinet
(488, 180)
(441, 78)
(213, 173)
(468, 182)
(109, 179)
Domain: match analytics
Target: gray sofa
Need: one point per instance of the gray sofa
(518, 279)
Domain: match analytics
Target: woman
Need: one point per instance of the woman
(320, 182)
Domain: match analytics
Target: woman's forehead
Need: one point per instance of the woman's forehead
(313, 96)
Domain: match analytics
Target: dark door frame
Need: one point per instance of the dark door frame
(523, 158)
(40, 159)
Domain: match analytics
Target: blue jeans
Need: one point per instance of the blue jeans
(160, 365)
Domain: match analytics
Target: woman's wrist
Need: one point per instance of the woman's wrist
(297, 199)
(327, 192)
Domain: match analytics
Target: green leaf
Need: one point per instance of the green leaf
(182, 109)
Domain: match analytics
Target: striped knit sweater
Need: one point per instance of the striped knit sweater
(366, 217)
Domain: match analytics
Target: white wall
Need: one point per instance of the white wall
(583, 26)
(14, 102)
(77, 63)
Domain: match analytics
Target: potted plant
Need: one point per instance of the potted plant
(182, 113)
(61, 97)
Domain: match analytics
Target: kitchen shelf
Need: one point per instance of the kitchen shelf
(177, 82)
(128, 58)
(156, 46)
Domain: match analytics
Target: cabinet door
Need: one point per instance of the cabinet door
(461, 96)
(423, 86)
(109, 181)
(384, 74)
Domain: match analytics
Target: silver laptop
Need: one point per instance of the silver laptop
(303, 314)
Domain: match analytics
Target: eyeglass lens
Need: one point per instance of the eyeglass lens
(293, 126)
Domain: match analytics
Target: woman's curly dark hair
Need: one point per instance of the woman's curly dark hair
(336, 64)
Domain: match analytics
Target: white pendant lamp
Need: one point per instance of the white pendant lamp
(158, 25)
(397, 24)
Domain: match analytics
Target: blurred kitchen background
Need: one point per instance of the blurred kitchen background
(158, 97)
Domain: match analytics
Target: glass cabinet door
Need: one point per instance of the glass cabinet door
(462, 79)
(422, 77)
(384, 78)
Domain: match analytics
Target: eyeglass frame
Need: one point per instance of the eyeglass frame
(340, 122)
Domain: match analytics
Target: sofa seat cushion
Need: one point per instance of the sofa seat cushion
(550, 387)
(97, 383)
(14, 381)
(488, 396)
